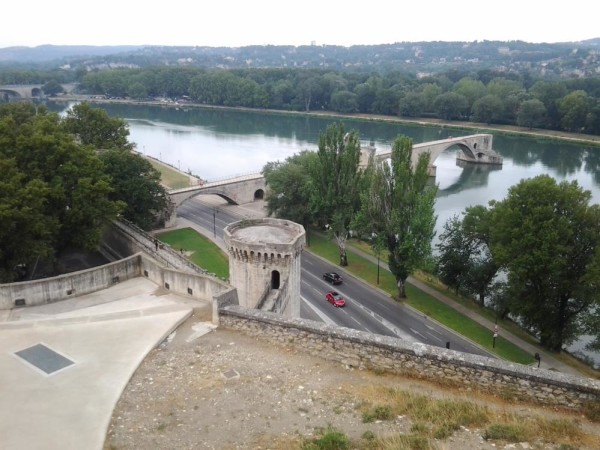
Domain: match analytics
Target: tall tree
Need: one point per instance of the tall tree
(399, 205)
(574, 108)
(532, 113)
(483, 268)
(465, 260)
(488, 109)
(26, 233)
(336, 182)
(52, 87)
(450, 105)
(547, 236)
(289, 188)
(455, 249)
(93, 126)
(137, 184)
(71, 204)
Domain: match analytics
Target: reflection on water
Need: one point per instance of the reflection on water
(216, 144)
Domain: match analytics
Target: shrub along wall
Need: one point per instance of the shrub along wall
(365, 350)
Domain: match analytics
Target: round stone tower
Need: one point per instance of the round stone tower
(264, 263)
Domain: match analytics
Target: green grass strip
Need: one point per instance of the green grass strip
(204, 252)
(170, 178)
(421, 301)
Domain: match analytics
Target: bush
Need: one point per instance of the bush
(378, 413)
(592, 410)
(506, 432)
(329, 439)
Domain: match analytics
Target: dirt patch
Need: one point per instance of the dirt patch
(226, 390)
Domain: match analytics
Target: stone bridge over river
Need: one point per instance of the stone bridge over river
(476, 148)
(237, 191)
(28, 91)
(248, 188)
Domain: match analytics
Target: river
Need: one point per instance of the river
(216, 144)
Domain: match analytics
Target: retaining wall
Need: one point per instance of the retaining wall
(365, 350)
(49, 290)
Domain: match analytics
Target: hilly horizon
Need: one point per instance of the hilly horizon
(49, 52)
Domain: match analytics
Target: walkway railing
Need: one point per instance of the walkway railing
(219, 182)
(162, 252)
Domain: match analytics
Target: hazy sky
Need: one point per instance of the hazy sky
(236, 23)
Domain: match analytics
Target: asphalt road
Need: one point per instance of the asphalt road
(367, 308)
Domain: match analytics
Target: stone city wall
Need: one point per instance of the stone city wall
(49, 290)
(123, 239)
(198, 286)
(376, 352)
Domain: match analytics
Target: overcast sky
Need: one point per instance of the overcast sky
(234, 23)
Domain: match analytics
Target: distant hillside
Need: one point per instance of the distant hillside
(559, 60)
(45, 53)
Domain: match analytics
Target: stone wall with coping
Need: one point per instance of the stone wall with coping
(376, 352)
(195, 286)
(123, 239)
(50, 290)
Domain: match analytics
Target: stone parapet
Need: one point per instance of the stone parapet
(376, 352)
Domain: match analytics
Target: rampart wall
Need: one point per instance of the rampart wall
(369, 351)
(49, 290)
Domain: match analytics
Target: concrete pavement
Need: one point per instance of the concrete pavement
(63, 366)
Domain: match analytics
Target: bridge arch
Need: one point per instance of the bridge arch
(7, 94)
(441, 149)
(220, 194)
(475, 148)
(235, 191)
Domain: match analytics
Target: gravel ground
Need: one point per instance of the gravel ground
(226, 390)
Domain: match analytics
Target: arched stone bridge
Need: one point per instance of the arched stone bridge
(476, 148)
(238, 190)
(248, 188)
(28, 91)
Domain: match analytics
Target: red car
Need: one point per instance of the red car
(335, 299)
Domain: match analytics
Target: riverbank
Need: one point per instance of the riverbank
(586, 139)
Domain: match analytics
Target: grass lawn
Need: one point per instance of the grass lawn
(421, 301)
(204, 252)
(171, 178)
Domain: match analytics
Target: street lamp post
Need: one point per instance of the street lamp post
(495, 335)
(215, 222)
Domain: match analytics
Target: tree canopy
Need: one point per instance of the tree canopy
(137, 184)
(398, 206)
(64, 180)
(465, 261)
(546, 235)
(336, 183)
(93, 126)
(289, 187)
(56, 194)
(534, 255)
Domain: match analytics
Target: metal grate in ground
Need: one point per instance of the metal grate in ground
(44, 358)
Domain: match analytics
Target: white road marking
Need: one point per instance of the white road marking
(319, 313)
(435, 337)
